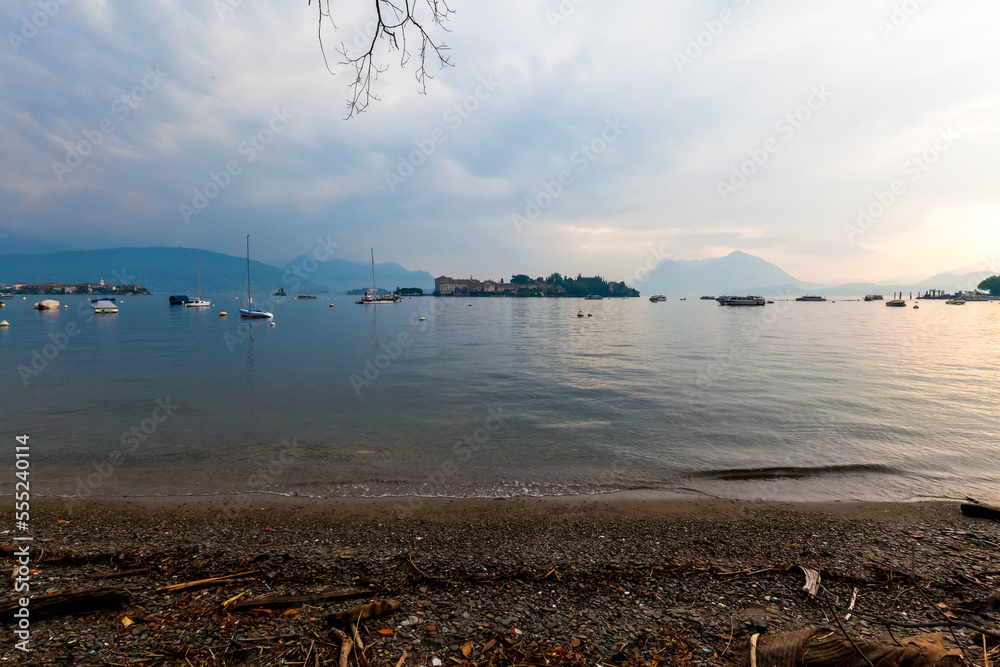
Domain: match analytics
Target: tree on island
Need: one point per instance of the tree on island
(520, 279)
(992, 284)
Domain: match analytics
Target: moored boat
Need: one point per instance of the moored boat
(810, 298)
(199, 302)
(896, 303)
(749, 300)
(873, 297)
(104, 305)
(47, 304)
(250, 312)
(955, 302)
(657, 297)
(593, 297)
(372, 297)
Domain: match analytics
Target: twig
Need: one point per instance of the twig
(833, 612)
(732, 631)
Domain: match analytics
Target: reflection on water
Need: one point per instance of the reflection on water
(840, 399)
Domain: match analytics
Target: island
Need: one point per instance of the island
(75, 288)
(522, 285)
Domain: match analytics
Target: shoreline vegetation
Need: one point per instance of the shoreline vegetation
(626, 579)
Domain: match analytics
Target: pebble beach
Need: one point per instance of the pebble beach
(626, 579)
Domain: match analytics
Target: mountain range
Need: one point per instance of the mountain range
(741, 273)
(173, 270)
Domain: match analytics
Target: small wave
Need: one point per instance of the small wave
(791, 472)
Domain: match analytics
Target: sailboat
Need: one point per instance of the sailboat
(199, 302)
(250, 311)
(372, 296)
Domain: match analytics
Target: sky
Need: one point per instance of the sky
(854, 140)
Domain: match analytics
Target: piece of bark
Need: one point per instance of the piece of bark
(61, 604)
(822, 647)
(355, 614)
(981, 511)
(280, 601)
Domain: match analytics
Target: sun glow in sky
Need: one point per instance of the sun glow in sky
(840, 141)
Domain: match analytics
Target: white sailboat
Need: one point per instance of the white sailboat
(199, 302)
(372, 297)
(250, 311)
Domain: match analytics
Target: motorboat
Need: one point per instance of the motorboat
(657, 297)
(896, 303)
(810, 298)
(873, 297)
(955, 302)
(47, 304)
(741, 300)
(104, 305)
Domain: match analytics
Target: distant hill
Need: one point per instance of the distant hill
(172, 270)
(341, 275)
(736, 273)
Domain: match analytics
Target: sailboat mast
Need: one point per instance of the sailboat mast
(198, 271)
(373, 270)
(249, 297)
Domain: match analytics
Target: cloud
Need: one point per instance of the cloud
(434, 180)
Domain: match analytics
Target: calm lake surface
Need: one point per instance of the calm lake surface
(506, 397)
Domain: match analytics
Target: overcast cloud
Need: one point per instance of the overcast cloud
(575, 136)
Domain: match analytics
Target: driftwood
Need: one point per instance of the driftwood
(345, 646)
(822, 647)
(981, 511)
(117, 575)
(61, 604)
(355, 614)
(279, 601)
(212, 581)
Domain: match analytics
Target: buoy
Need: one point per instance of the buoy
(331, 305)
(5, 323)
(222, 313)
(580, 314)
(470, 305)
(2, 304)
(422, 318)
(272, 324)
(589, 315)
(915, 306)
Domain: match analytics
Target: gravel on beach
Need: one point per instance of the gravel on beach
(561, 581)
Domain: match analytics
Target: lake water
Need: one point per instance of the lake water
(506, 397)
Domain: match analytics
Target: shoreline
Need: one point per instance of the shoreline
(579, 580)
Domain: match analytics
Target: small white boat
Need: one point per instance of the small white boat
(580, 314)
(104, 305)
(896, 303)
(657, 297)
(47, 304)
(250, 312)
(372, 297)
(199, 302)
(955, 302)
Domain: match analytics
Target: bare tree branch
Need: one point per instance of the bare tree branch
(402, 26)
